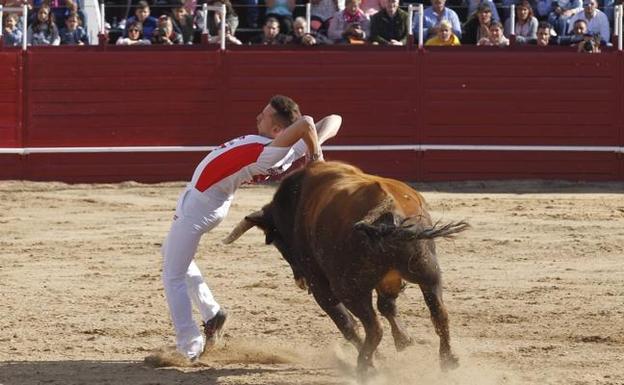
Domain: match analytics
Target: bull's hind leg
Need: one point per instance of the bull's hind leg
(337, 312)
(439, 316)
(361, 305)
(387, 292)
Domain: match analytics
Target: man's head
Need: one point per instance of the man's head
(142, 11)
(352, 6)
(280, 113)
(543, 33)
(392, 6)
(589, 6)
(580, 28)
(271, 28)
(438, 5)
(299, 26)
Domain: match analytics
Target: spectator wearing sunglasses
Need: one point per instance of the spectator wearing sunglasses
(135, 35)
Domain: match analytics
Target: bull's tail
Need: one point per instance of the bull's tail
(390, 227)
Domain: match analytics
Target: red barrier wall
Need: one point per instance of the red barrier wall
(89, 96)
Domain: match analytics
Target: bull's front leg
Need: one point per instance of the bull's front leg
(433, 297)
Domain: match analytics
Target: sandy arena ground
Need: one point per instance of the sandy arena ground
(535, 292)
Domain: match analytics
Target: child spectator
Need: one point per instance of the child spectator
(526, 23)
(73, 33)
(11, 35)
(444, 35)
(142, 15)
(43, 31)
(135, 35)
(496, 36)
(350, 23)
(164, 34)
(183, 23)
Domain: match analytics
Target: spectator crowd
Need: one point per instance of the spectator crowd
(587, 24)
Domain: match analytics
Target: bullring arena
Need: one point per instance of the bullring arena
(534, 291)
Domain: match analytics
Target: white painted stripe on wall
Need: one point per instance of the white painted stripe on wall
(406, 147)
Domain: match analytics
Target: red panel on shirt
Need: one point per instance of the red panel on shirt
(227, 164)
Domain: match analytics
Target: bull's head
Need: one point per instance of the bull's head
(281, 239)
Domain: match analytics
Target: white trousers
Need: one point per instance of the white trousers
(182, 280)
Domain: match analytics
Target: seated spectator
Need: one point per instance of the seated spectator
(229, 37)
(579, 30)
(43, 30)
(589, 44)
(496, 37)
(301, 37)
(544, 35)
(478, 25)
(183, 23)
(142, 15)
(597, 21)
(63, 8)
(559, 12)
(389, 26)
(73, 33)
(371, 7)
(270, 34)
(526, 23)
(11, 35)
(214, 18)
(473, 6)
(321, 13)
(135, 35)
(432, 16)
(444, 35)
(165, 34)
(339, 30)
(282, 10)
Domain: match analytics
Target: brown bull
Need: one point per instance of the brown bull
(346, 233)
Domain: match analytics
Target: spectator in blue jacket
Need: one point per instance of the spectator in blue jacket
(142, 15)
(73, 33)
(11, 35)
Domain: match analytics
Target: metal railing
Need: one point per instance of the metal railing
(418, 8)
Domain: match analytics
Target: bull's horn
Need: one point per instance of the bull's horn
(242, 227)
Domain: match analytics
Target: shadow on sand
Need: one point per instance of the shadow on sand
(114, 373)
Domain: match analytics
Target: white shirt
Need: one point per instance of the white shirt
(241, 160)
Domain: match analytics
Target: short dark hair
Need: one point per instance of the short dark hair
(286, 110)
(142, 5)
(544, 25)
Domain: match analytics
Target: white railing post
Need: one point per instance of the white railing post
(618, 22)
(1, 18)
(308, 17)
(24, 27)
(223, 23)
(421, 21)
(512, 17)
(102, 20)
(205, 21)
(410, 19)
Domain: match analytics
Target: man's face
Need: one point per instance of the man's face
(265, 122)
(543, 36)
(580, 28)
(179, 13)
(589, 6)
(299, 28)
(392, 6)
(142, 14)
(438, 5)
(271, 30)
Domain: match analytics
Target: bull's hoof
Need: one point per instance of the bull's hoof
(449, 362)
(402, 342)
(366, 373)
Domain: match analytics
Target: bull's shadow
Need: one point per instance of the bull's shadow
(114, 373)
